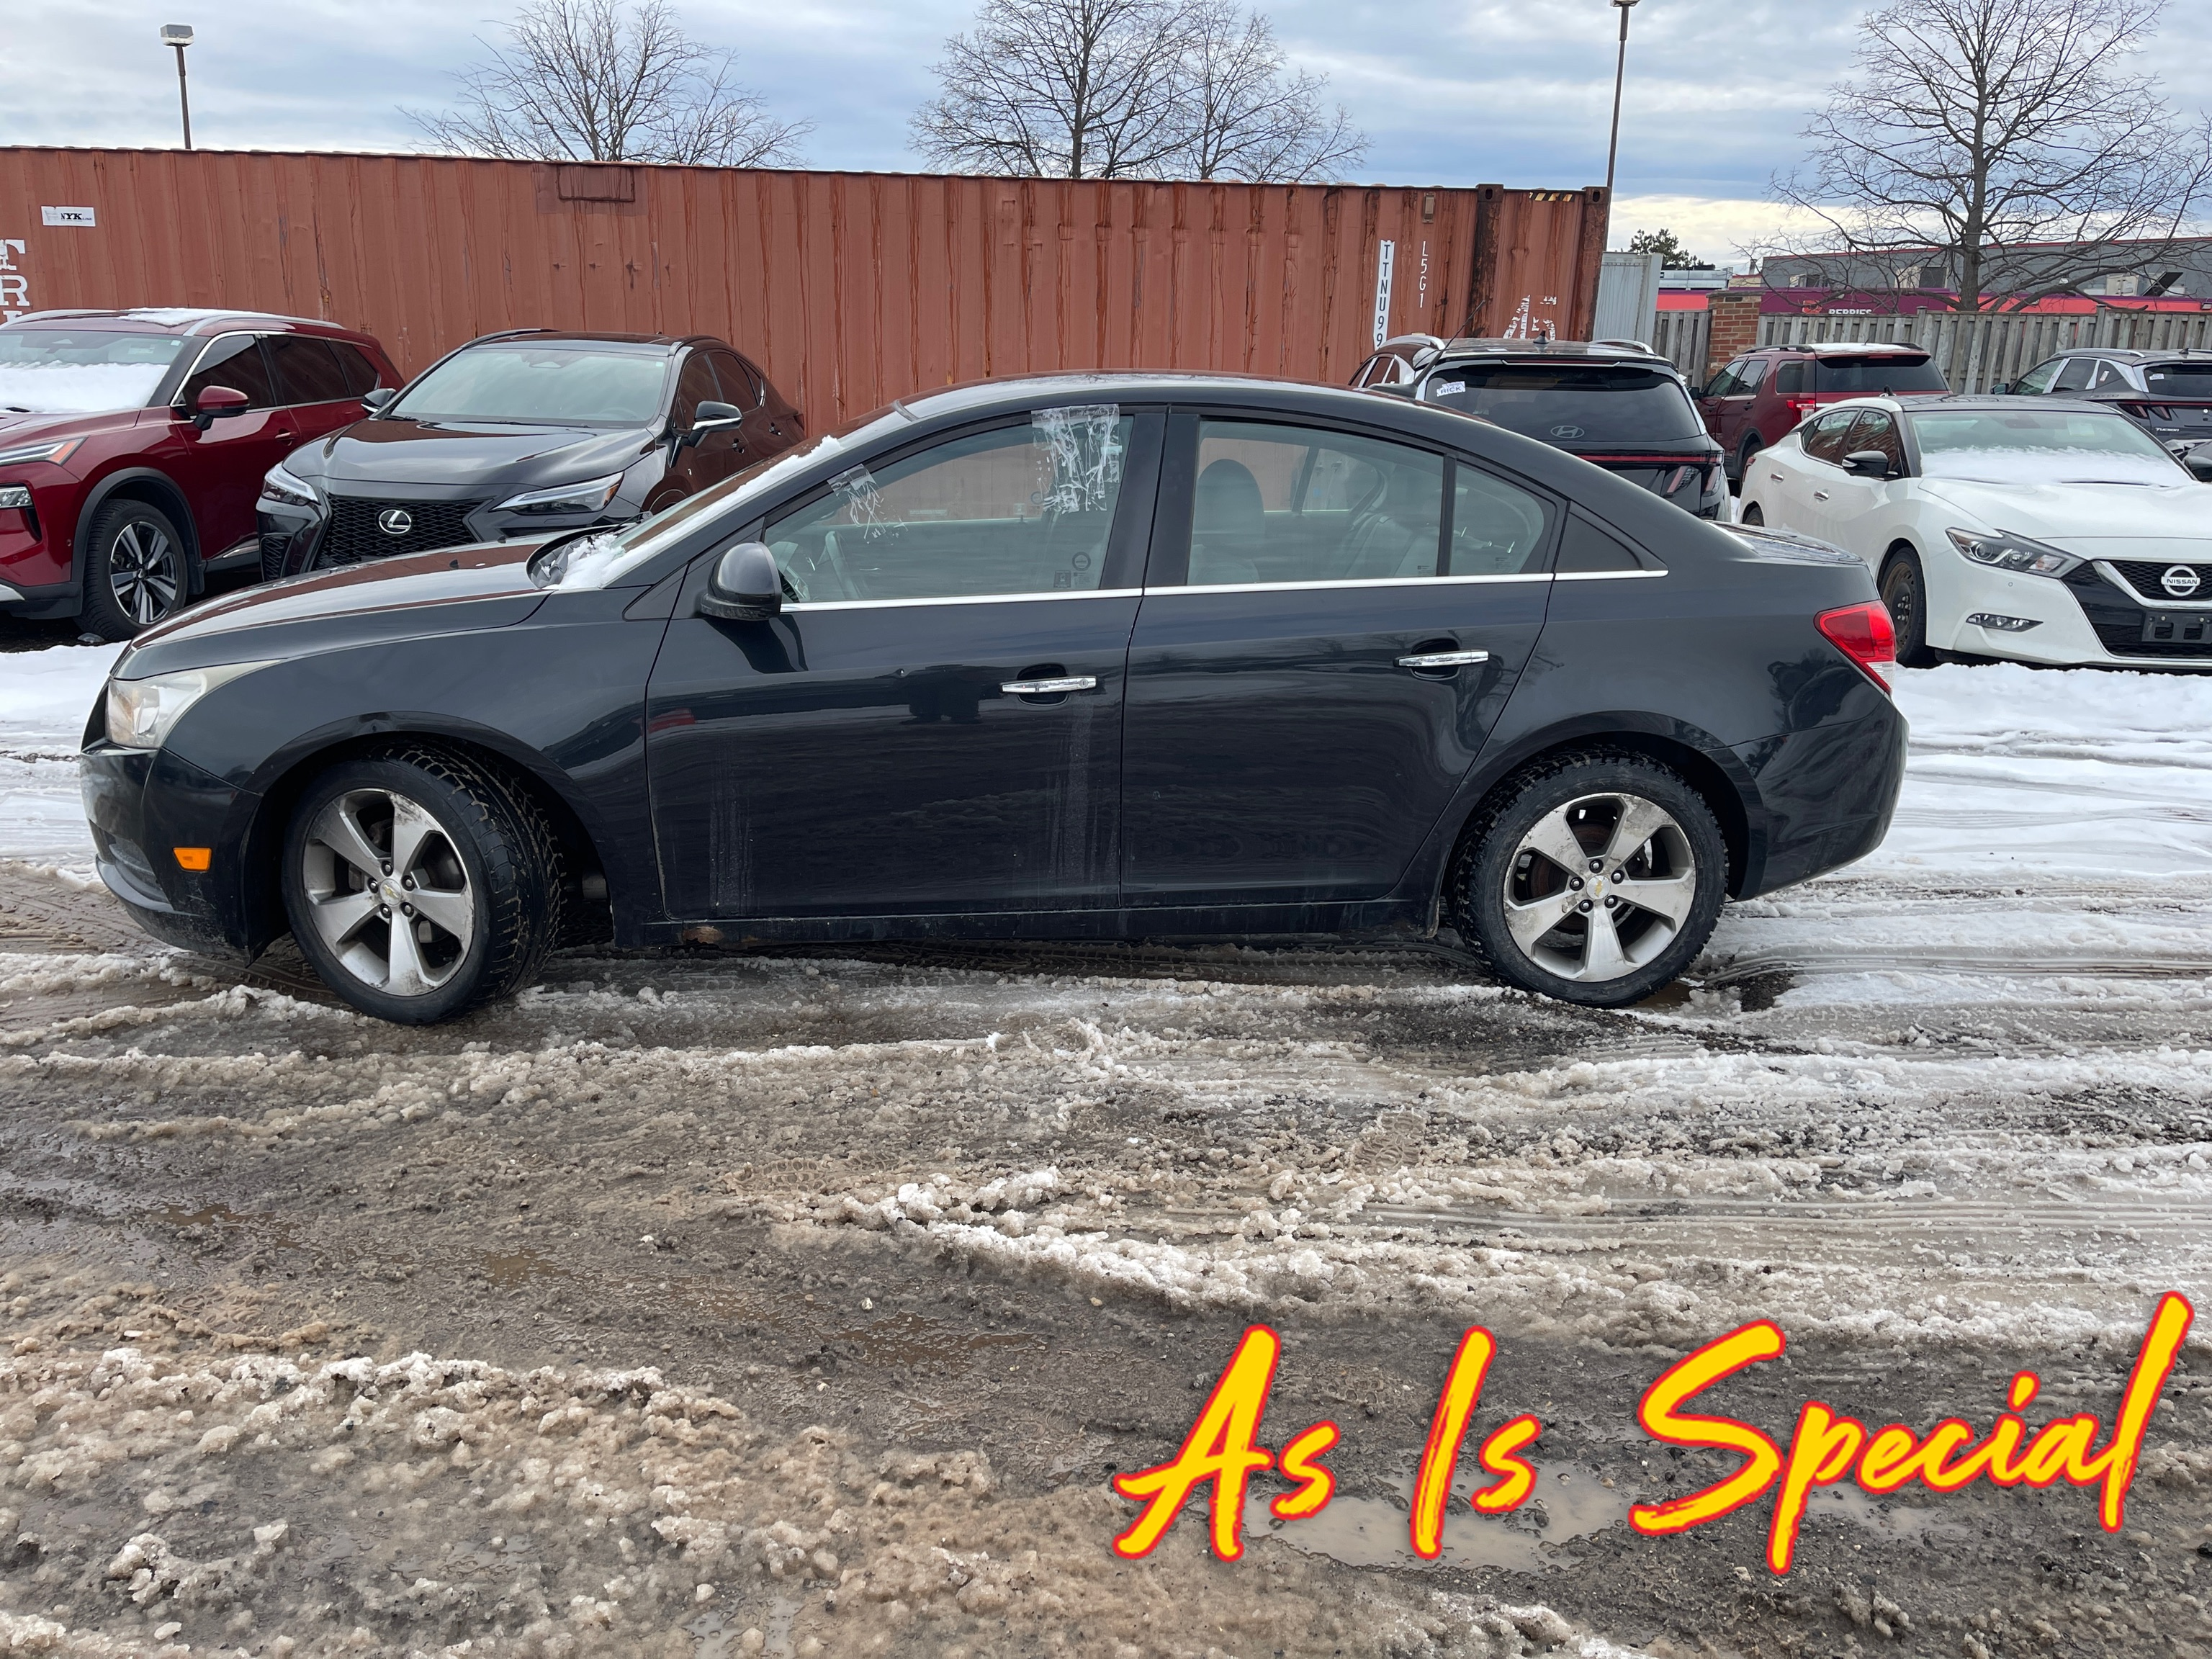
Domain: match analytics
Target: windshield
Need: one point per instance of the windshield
(540, 384)
(2180, 379)
(1867, 377)
(67, 371)
(1574, 403)
(2041, 445)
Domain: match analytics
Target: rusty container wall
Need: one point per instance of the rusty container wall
(1537, 253)
(849, 288)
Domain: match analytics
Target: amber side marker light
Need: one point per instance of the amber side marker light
(193, 858)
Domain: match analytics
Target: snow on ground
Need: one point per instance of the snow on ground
(44, 697)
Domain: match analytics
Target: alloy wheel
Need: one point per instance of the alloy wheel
(388, 892)
(144, 571)
(1600, 886)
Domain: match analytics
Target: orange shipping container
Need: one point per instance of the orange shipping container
(849, 288)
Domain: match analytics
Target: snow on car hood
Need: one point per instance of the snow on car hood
(77, 388)
(2096, 515)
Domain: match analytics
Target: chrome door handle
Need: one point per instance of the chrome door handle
(1820, 494)
(1774, 478)
(1443, 660)
(1047, 688)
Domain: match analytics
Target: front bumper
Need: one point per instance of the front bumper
(142, 806)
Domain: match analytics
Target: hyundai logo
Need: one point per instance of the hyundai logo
(2180, 580)
(1567, 432)
(398, 521)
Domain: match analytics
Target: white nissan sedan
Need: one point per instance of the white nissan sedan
(2050, 532)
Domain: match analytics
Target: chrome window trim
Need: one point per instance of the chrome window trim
(213, 341)
(965, 599)
(1607, 575)
(1370, 581)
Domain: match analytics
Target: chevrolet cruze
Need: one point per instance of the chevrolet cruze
(1110, 656)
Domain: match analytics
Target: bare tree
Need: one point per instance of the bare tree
(603, 81)
(1976, 129)
(1244, 116)
(1123, 89)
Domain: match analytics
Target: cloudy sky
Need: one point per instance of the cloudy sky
(1451, 91)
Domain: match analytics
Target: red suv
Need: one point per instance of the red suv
(133, 444)
(1759, 399)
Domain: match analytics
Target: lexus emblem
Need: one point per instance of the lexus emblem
(2180, 580)
(398, 521)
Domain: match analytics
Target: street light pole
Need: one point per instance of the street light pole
(180, 35)
(1620, 74)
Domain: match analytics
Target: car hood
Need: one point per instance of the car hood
(453, 589)
(2095, 519)
(505, 457)
(17, 429)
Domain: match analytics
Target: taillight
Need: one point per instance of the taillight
(1865, 634)
(1802, 407)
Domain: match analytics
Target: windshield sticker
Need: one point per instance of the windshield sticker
(1085, 446)
(856, 488)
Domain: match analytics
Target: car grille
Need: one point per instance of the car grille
(353, 533)
(2144, 575)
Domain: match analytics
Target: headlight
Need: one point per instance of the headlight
(140, 712)
(587, 497)
(53, 450)
(287, 487)
(2002, 550)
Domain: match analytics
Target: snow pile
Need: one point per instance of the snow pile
(46, 698)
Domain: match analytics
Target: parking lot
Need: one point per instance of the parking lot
(815, 1293)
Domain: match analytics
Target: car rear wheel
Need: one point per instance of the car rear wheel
(419, 885)
(1752, 515)
(1595, 877)
(1905, 592)
(136, 572)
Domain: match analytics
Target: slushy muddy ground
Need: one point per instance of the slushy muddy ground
(804, 1304)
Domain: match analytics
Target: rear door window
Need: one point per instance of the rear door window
(2075, 375)
(1295, 504)
(234, 361)
(306, 370)
(360, 375)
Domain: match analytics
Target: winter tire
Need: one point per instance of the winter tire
(1744, 457)
(1904, 592)
(1753, 517)
(136, 572)
(420, 885)
(1595, 877)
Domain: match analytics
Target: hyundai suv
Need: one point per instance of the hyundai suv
(1759, 397)
(2167, 393)
(523, 434)
(1614, 403)
(132, 444)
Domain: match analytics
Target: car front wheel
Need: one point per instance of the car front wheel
(1594, 878)
(136, 572)
(1753, 516)
(420, 885)
(1905, 592)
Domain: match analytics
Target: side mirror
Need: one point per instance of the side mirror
(710, 416)
(2002, 389)
(746, 585)
(378, 398)
(2199, 463)
(1867, 464)
(214, 402)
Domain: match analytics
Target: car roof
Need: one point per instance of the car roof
(1921, 403)
(660, 343)
(2135, 354)
(189, 321)
(1843, 347)
(1601, 350)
